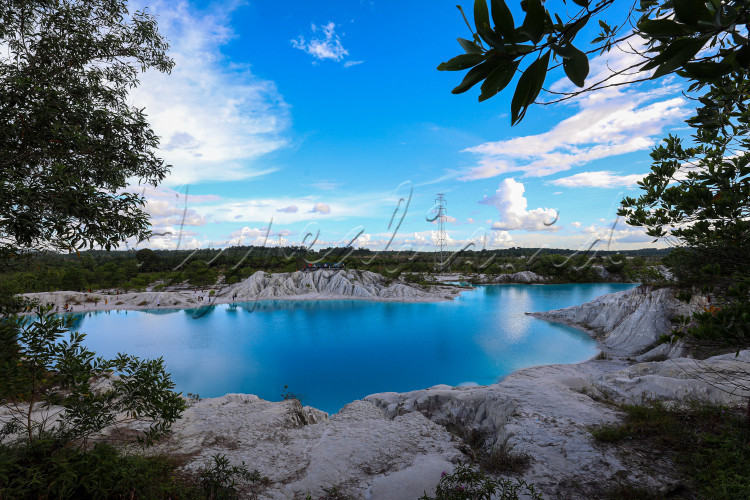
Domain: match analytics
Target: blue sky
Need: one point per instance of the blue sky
(321, 116)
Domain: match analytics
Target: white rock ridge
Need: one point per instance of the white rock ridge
(519, 277)
(309, 285)
(340, 283)
(626, 323)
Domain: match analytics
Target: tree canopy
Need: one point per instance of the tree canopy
(701, 40)
(69, 140)
(698, 195)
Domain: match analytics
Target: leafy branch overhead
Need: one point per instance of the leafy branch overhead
(700, 40)
(70, 141)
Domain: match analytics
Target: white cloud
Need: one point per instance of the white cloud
(349, 64)
(618, 234)
(252, 236)
(602, 179)
(281, 210)
(168, 208)
(215, 120)
(500, 239)
(326, 185)
(321, 208)
(608, 122)
(326, 47)
(512, 205)
(364, 240)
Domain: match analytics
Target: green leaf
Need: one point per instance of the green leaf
(482, 22)
(498, 79)
(660, 28)
(572, 30)
(533, 24)
(678, 53)
(576, 67)
(691, 11)
(564, 51)
(503, 19)
(528, 88)
(469, 46)
(481, 15)
(706, 70)
(464, 61)
(474, 76)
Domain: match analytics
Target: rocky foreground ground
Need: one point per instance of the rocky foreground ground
(395, 446)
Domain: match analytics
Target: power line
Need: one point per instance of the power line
(441, 217)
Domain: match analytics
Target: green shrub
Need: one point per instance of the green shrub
(43, 470)
(466, 482)
(50, 374)
(709, 443)
(503, 458)
(218, 480)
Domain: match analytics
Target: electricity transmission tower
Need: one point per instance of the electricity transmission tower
(441, 217)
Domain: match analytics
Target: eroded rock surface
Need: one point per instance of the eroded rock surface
(627, 323)
(340, 283)
(546, 413)
(309, 285)
(303, 451)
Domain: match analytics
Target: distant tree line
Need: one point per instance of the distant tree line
(135, 270)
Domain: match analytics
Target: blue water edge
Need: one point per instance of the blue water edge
(329, 353)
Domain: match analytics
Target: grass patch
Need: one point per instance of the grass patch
(710, 444)
(469, 483)
(46, 469)
(503, 458)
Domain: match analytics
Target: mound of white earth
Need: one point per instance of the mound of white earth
(630, 322)
(308, 285)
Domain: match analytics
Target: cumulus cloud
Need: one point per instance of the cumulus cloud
(607, 123)
(602, 179)
(618, 233)
(169, 208)
(250, 236)
(501, 239)
(321, 208)
(291, 209)
(324, 44)
(512, 206)
(215, 120)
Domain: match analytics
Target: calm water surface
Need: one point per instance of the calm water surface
(331, 352)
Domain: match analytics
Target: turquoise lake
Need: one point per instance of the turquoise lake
(329, 353)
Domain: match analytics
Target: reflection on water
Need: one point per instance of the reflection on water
(333, 352)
